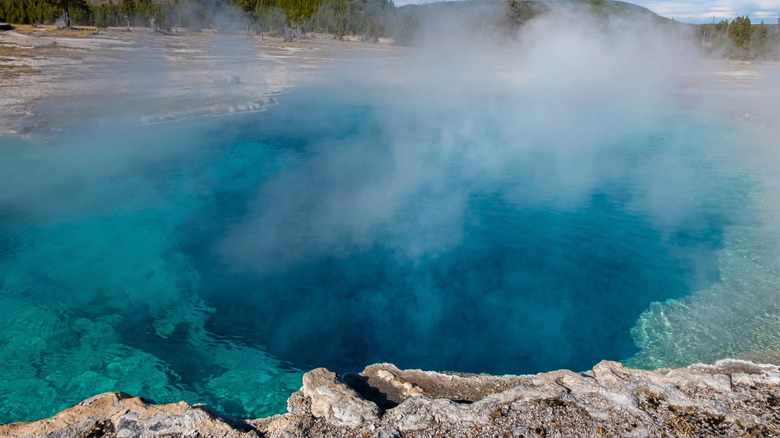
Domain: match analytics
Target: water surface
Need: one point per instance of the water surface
(215, 260)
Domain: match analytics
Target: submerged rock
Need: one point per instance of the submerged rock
(729, 398)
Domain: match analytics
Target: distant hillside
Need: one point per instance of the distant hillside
(534, 8)
(508, 15)
(623, 9)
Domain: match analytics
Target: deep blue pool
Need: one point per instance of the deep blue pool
(215, 260)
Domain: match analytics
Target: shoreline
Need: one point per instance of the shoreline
(731, 397)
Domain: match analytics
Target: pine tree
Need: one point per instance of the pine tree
(740, 32)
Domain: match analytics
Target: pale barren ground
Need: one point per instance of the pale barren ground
(51, 77)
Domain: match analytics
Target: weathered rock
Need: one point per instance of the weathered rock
(730, 398)
(115, 414)
(388, 386)
(336, 402)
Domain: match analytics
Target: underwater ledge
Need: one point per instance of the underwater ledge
(730, 398)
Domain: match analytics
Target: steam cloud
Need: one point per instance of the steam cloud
(475, 110)
(345, 249)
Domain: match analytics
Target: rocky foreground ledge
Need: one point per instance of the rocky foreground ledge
(730, 398)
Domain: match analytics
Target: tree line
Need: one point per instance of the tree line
(741, 39)
(340, 17)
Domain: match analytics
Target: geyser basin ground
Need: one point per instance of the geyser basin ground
(212, 260)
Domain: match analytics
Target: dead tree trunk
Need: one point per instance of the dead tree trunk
(293, 33)
(66, 13)
(126, 17)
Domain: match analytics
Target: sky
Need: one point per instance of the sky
(702, 11)
(696, 11)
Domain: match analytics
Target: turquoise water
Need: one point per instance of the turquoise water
(215, 260)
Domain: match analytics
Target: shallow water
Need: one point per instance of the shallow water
(214, 260)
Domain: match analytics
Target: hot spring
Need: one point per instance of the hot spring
(216, 259)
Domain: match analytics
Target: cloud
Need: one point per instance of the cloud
(700, 11)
